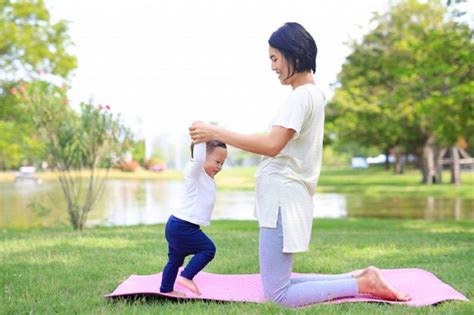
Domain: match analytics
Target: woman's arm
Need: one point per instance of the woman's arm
(270, 144)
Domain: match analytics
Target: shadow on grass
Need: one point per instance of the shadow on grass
(133, 299)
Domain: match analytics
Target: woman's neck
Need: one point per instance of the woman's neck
(300, 79)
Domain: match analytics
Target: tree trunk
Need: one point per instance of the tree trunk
(429, 162)
(455, 166)
(387, 162)
(398, 166)
(439, 164)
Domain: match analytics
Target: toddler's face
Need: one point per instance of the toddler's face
(214, 161)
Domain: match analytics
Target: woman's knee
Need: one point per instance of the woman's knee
(277, 298)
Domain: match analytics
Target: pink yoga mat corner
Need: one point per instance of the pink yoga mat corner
(424, 288)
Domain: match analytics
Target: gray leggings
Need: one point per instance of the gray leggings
(275, 271)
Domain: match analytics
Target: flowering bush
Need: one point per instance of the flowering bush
(76, 142)
(131, 166)
(155, 164)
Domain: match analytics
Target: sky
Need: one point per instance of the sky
(162, 64)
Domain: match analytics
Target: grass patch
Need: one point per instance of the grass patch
(377, 181)
(373, 181)
(57, 270)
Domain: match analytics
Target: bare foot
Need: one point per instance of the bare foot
(371, 281)
(176, 293)
(357, 273)
(188, 284)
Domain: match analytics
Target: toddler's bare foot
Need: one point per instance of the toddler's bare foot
(177, 293)
(371, 281)
(188, 284)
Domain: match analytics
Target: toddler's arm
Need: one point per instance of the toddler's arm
(197, 162)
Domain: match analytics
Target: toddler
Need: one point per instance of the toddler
(183, 231)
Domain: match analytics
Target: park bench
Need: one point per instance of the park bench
(27, 174)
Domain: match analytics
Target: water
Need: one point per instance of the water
(131, 202)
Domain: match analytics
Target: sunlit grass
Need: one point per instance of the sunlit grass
(113, 174)
(374, 181)
(57, 270)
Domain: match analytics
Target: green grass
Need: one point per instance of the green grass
(373, 181)
(56, 270)
(376, 181)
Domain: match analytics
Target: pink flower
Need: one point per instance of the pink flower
(14, 91)
(100, 107)
(65, 101)
(107, 107)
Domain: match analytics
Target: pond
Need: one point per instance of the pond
(132, 202)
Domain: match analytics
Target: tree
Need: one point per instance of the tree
(18, 141)
(30, 43)
(77, 143)
(30, 46)
(138, 151)
(407, 84)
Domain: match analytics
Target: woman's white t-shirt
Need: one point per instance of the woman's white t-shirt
(287, 182)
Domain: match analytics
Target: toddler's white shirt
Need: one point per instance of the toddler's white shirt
(199, 196)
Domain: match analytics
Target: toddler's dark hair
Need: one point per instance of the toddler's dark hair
(210, 146)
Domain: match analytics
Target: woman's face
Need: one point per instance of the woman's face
(279, 65)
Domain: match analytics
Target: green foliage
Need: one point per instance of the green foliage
(157, 154)
(10, 152)
(18, 141)
(29, 44)
(410, 78)
(74, 141)
(138, 151)
(335, 159)
(17, 144)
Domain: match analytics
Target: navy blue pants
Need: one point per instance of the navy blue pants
(184, 239)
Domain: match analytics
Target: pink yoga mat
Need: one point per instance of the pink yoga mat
(424, 288)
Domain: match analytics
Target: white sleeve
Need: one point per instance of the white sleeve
(196, 164)
(292, 114)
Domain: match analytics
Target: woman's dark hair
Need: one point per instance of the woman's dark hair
(298, 47)
(210, 146)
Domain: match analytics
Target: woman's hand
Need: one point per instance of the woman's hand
(201, 132)
(270, 144)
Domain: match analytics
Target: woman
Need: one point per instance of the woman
(286, 180)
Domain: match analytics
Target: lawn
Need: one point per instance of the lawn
(373, 181)
(379, 182)
(57, 270)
